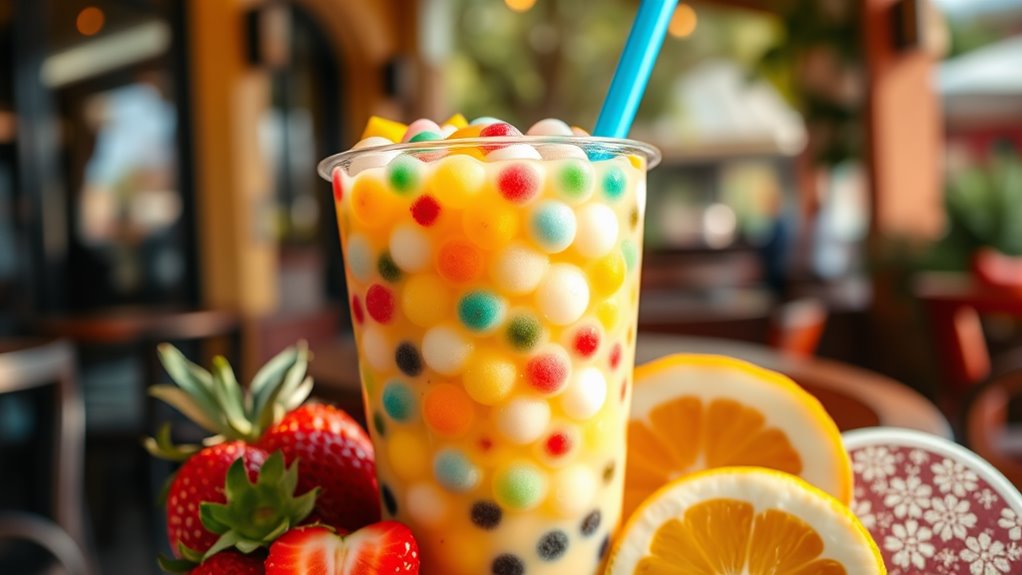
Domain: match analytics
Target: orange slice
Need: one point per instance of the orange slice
(695, 412)
(744, 520)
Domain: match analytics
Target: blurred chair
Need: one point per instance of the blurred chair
(986, 421)
(797, 326)
(29, 364)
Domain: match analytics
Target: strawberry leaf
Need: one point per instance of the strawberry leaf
(169, 565)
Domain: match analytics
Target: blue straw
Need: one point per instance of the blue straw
(634, 68)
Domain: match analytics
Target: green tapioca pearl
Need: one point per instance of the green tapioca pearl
(523, 332)
(387, 269)
(379, 424)
(520, 487)
(403, 174)
(614, 182)
(631, 254)
(575, 180)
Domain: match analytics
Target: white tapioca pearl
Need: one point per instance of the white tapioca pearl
(523, 420)
(563, 294)
(573, 490)
(409, 248)
(426, 504)
(360, 258)
(518, 270)
(376, 349)
(597, 230)
(585, 394)
(550, 127)
(444, 350)
(514, 152)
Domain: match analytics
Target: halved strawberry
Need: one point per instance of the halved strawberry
(385, 548)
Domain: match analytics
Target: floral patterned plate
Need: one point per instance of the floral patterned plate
(934, 507)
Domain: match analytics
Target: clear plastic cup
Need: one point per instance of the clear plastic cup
(494, 289)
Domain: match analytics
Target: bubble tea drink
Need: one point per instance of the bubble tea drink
(494, 283)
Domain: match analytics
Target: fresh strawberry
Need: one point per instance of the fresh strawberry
(230, 563)
(334, 454)
(385, 548)
(201, 479)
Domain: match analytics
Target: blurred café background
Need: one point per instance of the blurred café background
(840, 198)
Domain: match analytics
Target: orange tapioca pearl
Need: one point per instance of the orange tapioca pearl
(459, 261)
(490, 226)
(371, 202)
(607, 274)
(448, 410)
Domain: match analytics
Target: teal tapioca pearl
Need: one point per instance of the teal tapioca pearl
(614, 182)
(454, 471)
(399, 401)
(553, 226)
(480, 310)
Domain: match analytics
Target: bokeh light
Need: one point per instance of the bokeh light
(520, 5)
(684, 21)
(90, 21)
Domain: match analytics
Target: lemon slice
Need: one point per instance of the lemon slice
(695, 412)
(743, 521)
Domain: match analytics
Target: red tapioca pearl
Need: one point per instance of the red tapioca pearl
(380, 303)
(426, 210)
(547, 373)
(485, 444)
(356, 310)
(518, 183)
(615, 356)
(338, 184)
(586, 341)
(558, 444)
(498, 130)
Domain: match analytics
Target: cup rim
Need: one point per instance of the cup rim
(590, 144)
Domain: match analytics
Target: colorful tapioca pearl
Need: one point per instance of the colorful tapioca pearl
(597, 232)
(614, 182)
(368, 380)
(379, 424)
(486, 515)
(609, 313)
(601, 553)
(409, 248)
(608, 472)
(590, 523)
(407, 454)
(480, 311)
(586, 341)
(357, 313)
(399, 401)
(425, 300)
(518, 270)
(548, 371)
(387, 268)
(507, 564)
(459, 261)
(519, 183)
(408, 359)
(427, 136)
(448, 410)
(458, 180)
(404, 174)
(489, 377)
(445, 350)
(426, 504)
(559, 443)
(524, 331)
(490, 226)
(552, 545)
(631, 254)
(575, 180)
(359, 257)
(519, 486)
(371, 203)
(615, 356)
(633, 218)
(380, 303)
(523, 420)
(376, 349)
(425, 210)
(585, 395)
(563, 294)
(607, 274)
(552, 226)
(419, 126)
(573, 490)
(389, 501)
(337, 181)
(454, 471)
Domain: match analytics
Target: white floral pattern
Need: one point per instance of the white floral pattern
(910, 544)
(985, 555)
(950, 517)
(935, 515)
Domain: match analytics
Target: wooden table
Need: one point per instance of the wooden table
(855, 397)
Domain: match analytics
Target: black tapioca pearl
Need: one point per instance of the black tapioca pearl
(591, 523)
(486, 515)
(604, 547)
(552, 545)
(379, 424)
(408, 359)
(608, 472)
(507, 564)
